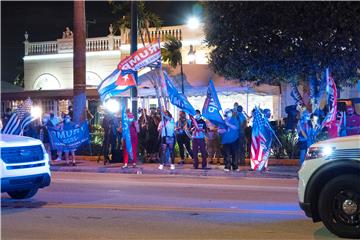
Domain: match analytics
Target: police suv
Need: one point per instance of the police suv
(24, 166)
(329, 185)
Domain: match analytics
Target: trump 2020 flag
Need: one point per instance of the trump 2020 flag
(143, 57)
(331, 93)
(260, 142)
(178, 99)
(295, 94)
(212, 107)
(126, 132)
(115, 83)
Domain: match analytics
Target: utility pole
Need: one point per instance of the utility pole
(134, 19)
(79, 64)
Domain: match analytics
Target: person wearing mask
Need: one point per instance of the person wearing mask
(305, 132)
(167, 130)
(134, 130)
(68, 125)
(230, 139)
(198, 134)
(212, 143)
(182, 131)
(44, 134)
(242, 119)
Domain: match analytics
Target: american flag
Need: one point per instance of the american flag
(260, 144)
(19, 119)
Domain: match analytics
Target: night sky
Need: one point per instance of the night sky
(46, 20)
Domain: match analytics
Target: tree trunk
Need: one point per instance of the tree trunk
(79, 63)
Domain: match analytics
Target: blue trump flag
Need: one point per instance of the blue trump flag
(212, 107)
(126, 131)
(69, 139)
(178, 99)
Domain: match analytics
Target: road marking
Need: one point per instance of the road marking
(172, 209)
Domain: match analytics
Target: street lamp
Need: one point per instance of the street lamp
(112, 105)
(193, 23)
(36, 111)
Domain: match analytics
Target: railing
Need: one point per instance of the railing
(110, 42)
(66, 45)
(40, 48)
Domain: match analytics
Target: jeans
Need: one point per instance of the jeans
(230, 151)
(183, 139)
(199, 143)
(166, 145)
(241, 153)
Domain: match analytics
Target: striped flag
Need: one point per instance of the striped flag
(331, 93)
(115, 83)
(260, 142)
(20, 119)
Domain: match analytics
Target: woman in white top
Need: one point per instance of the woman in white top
(167, 139)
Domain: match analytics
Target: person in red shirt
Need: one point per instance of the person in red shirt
(134, 130)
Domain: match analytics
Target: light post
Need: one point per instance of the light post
(134, 19)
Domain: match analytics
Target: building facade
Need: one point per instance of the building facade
(48, 74)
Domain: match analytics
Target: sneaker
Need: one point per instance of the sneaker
(226, 170)
(181, 162)
(172, 167)
(237, 170)
(125, 166)
(134, 165)
(57, 160)
(161, 167)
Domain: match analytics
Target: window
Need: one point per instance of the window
(47, 82)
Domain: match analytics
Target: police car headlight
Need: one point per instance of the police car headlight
(319, 152)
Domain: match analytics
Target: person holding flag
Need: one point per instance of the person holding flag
(230, 141)
(133, 130)
(199, 129)
(167, 129)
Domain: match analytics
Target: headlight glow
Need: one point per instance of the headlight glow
(319, 152)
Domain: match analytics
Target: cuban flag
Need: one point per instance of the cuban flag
(212, 107)
(178, 99)
(114, 84)
(20, 119)
(260, 142)
(331, 93)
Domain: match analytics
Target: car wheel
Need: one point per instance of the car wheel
(339, 206)
(21, 194)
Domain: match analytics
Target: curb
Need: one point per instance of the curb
(151, 169)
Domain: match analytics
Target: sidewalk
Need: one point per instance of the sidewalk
(276, 171)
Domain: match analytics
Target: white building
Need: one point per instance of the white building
(48, 73)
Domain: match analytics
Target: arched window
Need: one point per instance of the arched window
(92, 79)
(47, 82)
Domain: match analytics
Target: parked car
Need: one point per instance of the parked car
(329, 185)
(24, 166)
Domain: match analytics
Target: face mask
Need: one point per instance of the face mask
(197, 116)
(45, 120)
(229, 114)
(131, 119)
(67, 120)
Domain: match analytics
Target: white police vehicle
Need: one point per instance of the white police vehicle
(329, 185)
(24, 166)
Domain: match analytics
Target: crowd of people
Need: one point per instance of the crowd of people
(154, 136)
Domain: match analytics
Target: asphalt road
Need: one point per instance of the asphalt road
(117, 206)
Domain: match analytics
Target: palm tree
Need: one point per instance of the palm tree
(171, 53)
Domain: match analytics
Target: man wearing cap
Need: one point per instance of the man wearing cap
(198, 136)
(230, 140)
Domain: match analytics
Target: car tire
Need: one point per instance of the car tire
(343, 222)
(22, 194)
